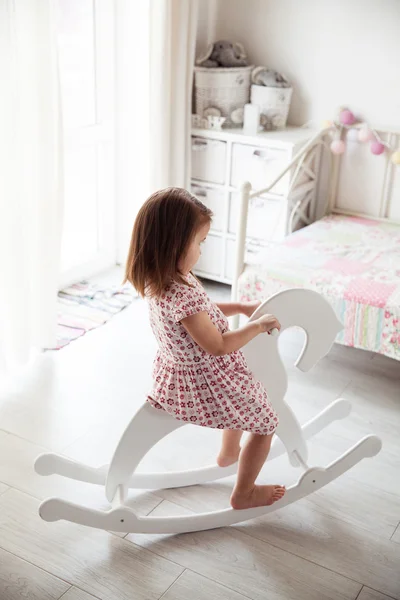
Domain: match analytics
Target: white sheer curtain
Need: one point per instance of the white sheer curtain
(155, 56)
(30, 179)
(173, 25)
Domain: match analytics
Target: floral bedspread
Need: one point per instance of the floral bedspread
(354, 263)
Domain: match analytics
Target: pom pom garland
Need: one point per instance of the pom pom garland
(357, 130)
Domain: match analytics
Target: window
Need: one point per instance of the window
(86, 60)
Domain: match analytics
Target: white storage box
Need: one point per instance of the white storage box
(260, 166)
(215, 200)
(274, 103)
(225, 89)
(208, 160)
(210, 262)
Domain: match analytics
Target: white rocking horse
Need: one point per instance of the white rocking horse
(302, 308)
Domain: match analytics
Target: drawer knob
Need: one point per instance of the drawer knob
(262, 155)
(199, 145)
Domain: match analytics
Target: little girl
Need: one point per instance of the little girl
(200, 375)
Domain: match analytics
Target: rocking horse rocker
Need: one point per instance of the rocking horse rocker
(303, 308)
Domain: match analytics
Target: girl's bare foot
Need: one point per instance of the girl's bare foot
(259, 495)
(227, 458)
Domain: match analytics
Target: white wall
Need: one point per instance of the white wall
(336, 52)
(206, 25)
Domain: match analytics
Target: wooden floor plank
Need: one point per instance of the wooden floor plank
(3, 487)
(74, 594)
(194, 586)
(21, 580)
(95, 561)
(396, 535)
(368, 594)
(248, 566)
(344, 548)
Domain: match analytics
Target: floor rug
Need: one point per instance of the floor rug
(84, 306)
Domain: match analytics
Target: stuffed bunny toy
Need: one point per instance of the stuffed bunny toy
(269, 78)
(223, 54)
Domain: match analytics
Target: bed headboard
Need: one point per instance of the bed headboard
(363, 184)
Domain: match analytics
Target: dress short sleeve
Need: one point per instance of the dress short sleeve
(189, 301)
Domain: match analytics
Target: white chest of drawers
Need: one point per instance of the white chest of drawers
(221, 162)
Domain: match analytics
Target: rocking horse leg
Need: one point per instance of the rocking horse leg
(146, 428)
(338, 409)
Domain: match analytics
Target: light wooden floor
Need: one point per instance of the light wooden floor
(341, 543)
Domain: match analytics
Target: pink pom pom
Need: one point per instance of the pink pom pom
(377, 148)
(338, 146)
(346, 117)
(365, 134)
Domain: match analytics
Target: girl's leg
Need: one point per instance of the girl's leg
(230, 449)
(252, 457)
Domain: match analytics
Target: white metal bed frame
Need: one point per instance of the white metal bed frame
(301, 164)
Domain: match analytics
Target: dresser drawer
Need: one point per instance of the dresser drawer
(266, 218)
(215, 200)
(210, 262)
(260, 166)
(208, 160)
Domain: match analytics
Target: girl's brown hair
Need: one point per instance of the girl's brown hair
(163, 230)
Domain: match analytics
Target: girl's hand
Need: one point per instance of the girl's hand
(267, 323)
(247, 308)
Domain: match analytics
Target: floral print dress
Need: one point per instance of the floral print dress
(195, 386)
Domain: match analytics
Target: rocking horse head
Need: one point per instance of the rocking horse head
(294, 308)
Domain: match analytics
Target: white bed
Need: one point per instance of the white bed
(351, 256)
